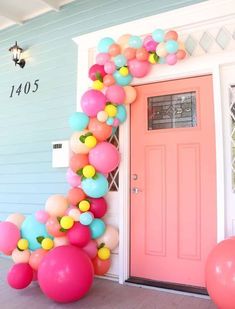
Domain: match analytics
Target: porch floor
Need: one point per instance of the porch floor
(104, 294)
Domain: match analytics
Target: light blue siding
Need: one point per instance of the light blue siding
(29, 123)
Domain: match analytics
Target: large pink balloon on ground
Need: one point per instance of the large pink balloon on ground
(70, 274)
(92, 102)
(9, 236)
(220, 274)
(104, 157)
(139, 68)
(20, 276)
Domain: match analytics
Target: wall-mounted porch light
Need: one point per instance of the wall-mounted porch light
(16, 55)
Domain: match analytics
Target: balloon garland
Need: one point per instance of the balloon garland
(64, 245)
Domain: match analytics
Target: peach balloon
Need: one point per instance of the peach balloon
(56, 205)
(171, 35)
(76, 195)
(130, 94)
(108, 80)
(100, 130)
(123, 41)
(129, 53)
(16, 219)
(181, 45)
(78, 161)
(20, 256)
(109, 238)
(114, 50)
(160, 50)
(75, 214)
(60, 241)
(102, 116)
(76, 145)
(142, 54)
(53, 227)
(36, 258)
(181, 54)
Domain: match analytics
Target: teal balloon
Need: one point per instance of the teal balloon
(122, 80)
(121, 113)
(97, 187)
(86, 218)
(78, 121)
(120, 61)
(31, 229)
(135, 41)
(104, 44)
(97, 228)
(110, 121)
(171, 46)
(158, 35)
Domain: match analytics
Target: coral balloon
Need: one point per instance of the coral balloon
(79, 235)
(71, 274)
(56, 205)
(75, 195)
(108, 80)
(181, 54)
(91, 249)
(41, 216)
(78, 161)
(20, 276)
(130, 94)
(139, 68)
(115, 94)
(92, 102)
(98, 207)
(142, 54)
(20, 256)
(123, 41)
(114, 50)
(101, 267)
(171, 35)
(104, 157)
(53, 227)
(129, 53)
(36, 258)
(72, 178)
(110, 237)
(220, 273)
(76, 145)
(16, 219)
(9, 236)
(100, 130)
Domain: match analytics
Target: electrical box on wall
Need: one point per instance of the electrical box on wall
(60, 154)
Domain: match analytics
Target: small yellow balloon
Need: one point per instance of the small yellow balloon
(88, 171)
(47, 244)
(104, 253)
(124, 71)
(66, 222)
(23, 244)
(152, 58)
(97, 85)
(90, 141)
(111, 110)
(102, 116)
(84, 205)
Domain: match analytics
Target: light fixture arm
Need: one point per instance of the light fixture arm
(16, 55)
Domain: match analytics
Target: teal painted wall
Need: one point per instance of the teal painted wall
(29, 123)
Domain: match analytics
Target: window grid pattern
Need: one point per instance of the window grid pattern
(113, 177)
(232, 116)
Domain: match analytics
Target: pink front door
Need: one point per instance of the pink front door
(173, 180)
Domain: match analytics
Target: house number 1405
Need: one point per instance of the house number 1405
(24, 88)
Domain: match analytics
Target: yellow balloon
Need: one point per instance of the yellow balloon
(130, 94)
(97, 85)
(23, 244)
(47, 244)
(84, 205)
(124, 71)
(104, 253)
(88, 171)
(66, 222)
(111, 110)
(90, 141)
(102, 116)
(152, 59)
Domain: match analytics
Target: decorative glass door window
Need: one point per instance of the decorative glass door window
(172, 111)
(232, 114)
(113, 177)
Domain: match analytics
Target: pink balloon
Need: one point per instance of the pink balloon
(42, 216)
(139, 68)
(65, 274)
(104, 157)
(102, 58)
(220, 274)
(91, 249)
(149, 44)
(9, 236)
(72, 178)
(96, 69)
(53, 227)
(98, 207)
(171, 59)
(20, 276)
(116, 122)
(115, 94)
(109, 67)
(92, 102)
(79, 235)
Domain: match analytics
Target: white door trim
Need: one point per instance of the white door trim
(206, 14)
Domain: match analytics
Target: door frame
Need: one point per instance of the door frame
(205, 15)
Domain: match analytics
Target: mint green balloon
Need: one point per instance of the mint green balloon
(78, 121)
(121, 113)
(96, 186)
(97, 228)
(104, 44)
(158, 35)
(122, 80)
(171, 46)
